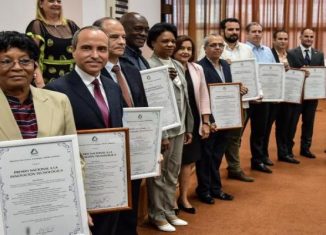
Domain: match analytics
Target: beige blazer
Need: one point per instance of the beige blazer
(154, 61)
(53, 114)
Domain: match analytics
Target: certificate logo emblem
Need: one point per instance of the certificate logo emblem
(34, 152)
(140, 116)
(94, 139)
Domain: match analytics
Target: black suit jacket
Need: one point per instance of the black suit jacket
(296, 59)
(86, 112)
(275, 55)
(211, 75)
(133, 77)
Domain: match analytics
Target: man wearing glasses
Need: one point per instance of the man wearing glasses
(216, 70)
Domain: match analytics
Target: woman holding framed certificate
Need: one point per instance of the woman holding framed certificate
(199, 102)
(161, 189)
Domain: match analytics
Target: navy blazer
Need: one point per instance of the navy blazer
(211, 75)
(86, 112)
(296, 59)
(135, 83)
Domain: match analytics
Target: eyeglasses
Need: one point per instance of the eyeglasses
(216, 45)
(8, 63)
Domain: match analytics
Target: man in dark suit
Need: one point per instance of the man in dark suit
(216, 70)
(83, 86)
(136, 28)
(302, 56)
(134, 96)
(280, 112)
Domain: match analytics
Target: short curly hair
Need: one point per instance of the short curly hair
(13, 39)
(157, 30)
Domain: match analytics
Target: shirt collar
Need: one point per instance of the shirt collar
(254, 46)
(86, 78)
(229, 48)
(136, 52)
(110, 65)
(305, 48)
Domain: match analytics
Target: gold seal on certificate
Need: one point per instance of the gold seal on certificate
(271, 78)
(159, 93)
(294, 80)
(107, 170)
(245, 72)
(315, 84)
(145, 133)
(226, 105)
(41, 187)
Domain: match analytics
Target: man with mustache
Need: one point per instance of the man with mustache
(96, 100)
(235, 50)
(129, 79)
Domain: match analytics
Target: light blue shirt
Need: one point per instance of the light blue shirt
(262, 53)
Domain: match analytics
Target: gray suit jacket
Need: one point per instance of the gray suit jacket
(189, 120)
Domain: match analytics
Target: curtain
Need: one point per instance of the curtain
(291, 15)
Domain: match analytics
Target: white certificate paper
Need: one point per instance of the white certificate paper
(315, 84)
(226, 105)
(145, 133)
(159, 93)
(41, 187)
(107, 170)
(271, 78)
(294, 80)
(245, 72)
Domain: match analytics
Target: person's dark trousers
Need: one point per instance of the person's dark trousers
(282, 129)
(127, 224)
(308, 112)
(272, 116)
(207, 168)
(294, 115)
(258, 120)
(105, 223)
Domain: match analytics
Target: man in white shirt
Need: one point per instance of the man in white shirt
(235, 50)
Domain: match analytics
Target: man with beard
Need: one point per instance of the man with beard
(235, 50)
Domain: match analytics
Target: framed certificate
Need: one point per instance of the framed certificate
(41, 187)
(245, 72)
(107, 170)
(294, 79)
(145, 134)
(315, 84)
(226, 105)
(271, 78)
(159, 93)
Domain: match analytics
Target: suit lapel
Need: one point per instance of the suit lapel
(213, 71)
(80, 90)
(300, 56)
(43, 112)
(8, 124)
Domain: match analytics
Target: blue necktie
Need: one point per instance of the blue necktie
(307, 58)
